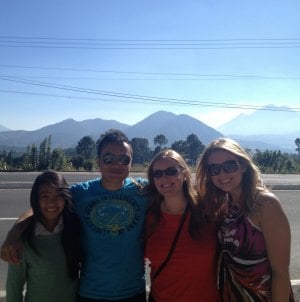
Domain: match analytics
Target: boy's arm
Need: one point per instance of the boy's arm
(12, 246)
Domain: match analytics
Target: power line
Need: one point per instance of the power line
(197, 76)
(143, 44)
(146, 48)
(200, 78)
(134, 98)
(152, 40)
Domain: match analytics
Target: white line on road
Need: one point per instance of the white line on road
(7, 218)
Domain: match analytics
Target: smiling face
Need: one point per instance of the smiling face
(51, 206)
(116, 169)
(168, 185)
(230, 179)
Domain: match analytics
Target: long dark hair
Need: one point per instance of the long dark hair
(71, 228)
(197, 219)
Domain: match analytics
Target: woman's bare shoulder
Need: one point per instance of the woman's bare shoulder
(270, 208)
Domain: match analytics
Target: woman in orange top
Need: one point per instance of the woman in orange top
(190, 273)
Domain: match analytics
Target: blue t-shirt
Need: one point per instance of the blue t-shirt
(112, 224)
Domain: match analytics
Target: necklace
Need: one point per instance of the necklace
(234, 208)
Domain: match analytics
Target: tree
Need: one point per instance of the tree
(159, 141)
(58, 159)
(194, 148)
(9, 158)
(297, 142)
(44, 154)
(3, 166)
(88, 165)
(86, 147)
(77, 161)
(290, 167)
(34, 156)
(26, 162)
(48, 152)
(141, 150)
(180, 147)
(271, 161)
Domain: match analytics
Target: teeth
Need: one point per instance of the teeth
(225, 181)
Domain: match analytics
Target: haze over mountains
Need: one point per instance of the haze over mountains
(2, 128)
(267, 120)
(276, 126)
(266, 128)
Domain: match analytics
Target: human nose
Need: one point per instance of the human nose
(222, 171)
(53, 199)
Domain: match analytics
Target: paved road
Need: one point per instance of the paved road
(25, 179)
(14, 200)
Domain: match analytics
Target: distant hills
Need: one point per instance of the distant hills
(67, 133)
(174, 127)
(263, 129)
(64, 134)
(2, 128)
(276, 127)
(267, 120)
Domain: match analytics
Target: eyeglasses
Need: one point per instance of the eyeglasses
(229, 166)
(111, 159)
(171, 171)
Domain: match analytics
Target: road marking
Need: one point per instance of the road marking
(7, 218)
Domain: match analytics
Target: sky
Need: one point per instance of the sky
(124, 60)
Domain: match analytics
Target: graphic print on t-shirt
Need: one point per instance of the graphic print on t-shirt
(112, 215)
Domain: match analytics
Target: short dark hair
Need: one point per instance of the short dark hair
(112, 136)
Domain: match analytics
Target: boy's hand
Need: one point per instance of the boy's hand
(11, 250)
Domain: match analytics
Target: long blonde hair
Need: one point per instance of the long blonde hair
(209, 195)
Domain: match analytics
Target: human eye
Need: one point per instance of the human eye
(44, 195)
(214, 169)
(230, 166)
(158, 173)
(124, 160)
(108, 158)
(171, 171)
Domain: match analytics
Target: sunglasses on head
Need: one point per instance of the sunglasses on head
(111, 159)
(229, 166)
(171, 171)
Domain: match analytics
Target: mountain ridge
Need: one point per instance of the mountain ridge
(264, 121)
(67, 133)
(3, 128)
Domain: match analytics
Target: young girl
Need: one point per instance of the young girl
(51, 253)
